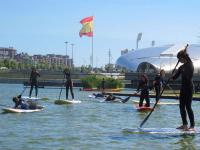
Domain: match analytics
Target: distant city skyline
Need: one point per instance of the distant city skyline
(43, 27)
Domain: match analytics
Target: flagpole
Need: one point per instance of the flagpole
(92, 52)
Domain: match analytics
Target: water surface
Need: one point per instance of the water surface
(89, 125)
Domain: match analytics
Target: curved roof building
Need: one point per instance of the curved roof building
(154, 58)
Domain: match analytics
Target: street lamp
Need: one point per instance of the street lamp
(66, 52)
(72, 54)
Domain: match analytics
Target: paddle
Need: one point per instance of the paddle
(61, 87)
(4, 105)
(126, 99)
(145, 119)
(23, 90)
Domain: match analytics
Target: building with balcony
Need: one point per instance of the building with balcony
(7, 53)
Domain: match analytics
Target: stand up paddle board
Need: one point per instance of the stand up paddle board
(160, 131)
(159, 103)
(14, 110)
(30, 98)
(143, 108)
(61, 102)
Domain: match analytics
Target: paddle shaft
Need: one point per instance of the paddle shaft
(147, 117)
(4, 105)
(61, 87)
(23, 90)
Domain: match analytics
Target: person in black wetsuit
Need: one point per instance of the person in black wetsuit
(98, 95)
(103, 85)
(143, 85)
(68, 83)
(186, 71)
(24, 104)
(158, 83)
(33, 81)
(111, 97)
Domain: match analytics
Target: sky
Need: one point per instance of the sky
(43, 26)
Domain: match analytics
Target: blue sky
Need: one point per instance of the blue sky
(42, 26)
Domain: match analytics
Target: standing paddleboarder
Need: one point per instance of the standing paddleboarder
(158, 83)
(33, 81)
(186, 71)
(68, 83)
(103, 85)
(143, 85)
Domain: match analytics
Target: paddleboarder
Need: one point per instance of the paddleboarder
(111, 97)
(144, 87)
(98, 95)
(68, 83)
(158, 83)
(33, 81)
(103, 85)
(186, 71)
(22, 104)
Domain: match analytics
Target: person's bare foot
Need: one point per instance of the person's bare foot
(183, 127)
(191, 129)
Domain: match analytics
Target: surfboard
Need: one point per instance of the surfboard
(160, 131)
(13, 110)
(143, 108)
(159, 103)
(61, 102)
(30, 98)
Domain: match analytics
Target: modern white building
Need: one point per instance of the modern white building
(154, 58)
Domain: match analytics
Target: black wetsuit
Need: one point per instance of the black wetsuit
(33, 82)
(110, 98)
(186, 71)
(98, 95)
(158, 85)
(68, 84)
(144, 93)
(103, 84)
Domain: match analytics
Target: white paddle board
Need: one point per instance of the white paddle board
(30, 98)
(160, 131)
(61, 102)
(159, 103)
(13, 110)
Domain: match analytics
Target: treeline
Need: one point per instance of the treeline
(27, 64)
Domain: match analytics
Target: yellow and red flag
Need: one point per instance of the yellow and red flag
(87, 28)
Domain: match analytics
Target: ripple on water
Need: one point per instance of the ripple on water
(89, 125)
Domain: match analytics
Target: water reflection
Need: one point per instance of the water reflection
(186, 142)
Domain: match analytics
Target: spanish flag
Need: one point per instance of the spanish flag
(87, 28)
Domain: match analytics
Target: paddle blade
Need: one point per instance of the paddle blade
(126, 99)
(143, 122)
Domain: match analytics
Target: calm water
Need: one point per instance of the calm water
(89, 125)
